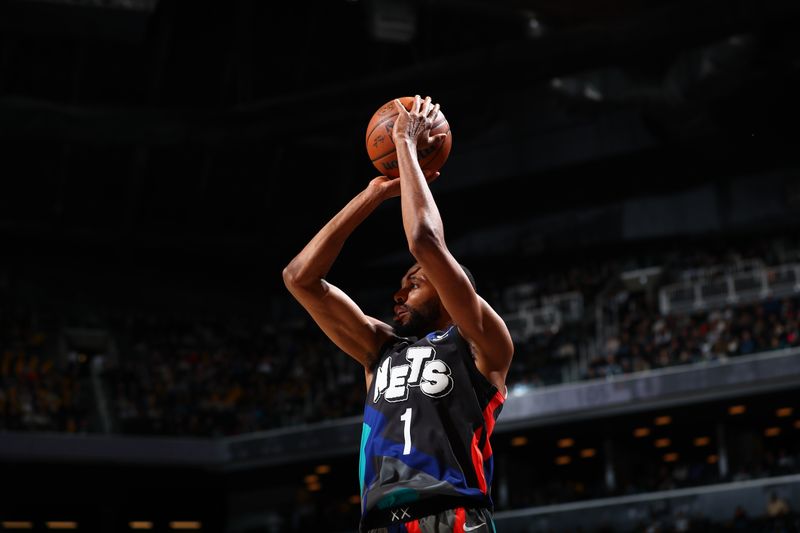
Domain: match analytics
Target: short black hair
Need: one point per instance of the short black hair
(470, 277)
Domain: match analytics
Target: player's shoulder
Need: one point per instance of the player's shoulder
(393, 343)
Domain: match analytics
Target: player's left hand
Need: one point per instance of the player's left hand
(387, 187)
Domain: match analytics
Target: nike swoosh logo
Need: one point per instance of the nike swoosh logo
(438, 338)
(470, 528)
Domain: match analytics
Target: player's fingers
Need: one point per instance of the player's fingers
(417, 102)
(400, 107)
(426, 106)
(434, 111)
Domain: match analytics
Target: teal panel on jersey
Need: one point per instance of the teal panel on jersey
(362, 459)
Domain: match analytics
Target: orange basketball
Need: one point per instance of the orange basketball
(380, 142)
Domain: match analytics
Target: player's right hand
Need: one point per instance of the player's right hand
(415, 125)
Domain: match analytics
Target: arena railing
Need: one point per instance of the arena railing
(544, 315)
(730, 289)
(712, 503)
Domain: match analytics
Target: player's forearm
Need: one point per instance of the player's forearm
(315, 260)
(421, 219)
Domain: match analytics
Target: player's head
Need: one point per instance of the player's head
(418, 309)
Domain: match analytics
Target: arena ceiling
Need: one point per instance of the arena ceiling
(235, 129)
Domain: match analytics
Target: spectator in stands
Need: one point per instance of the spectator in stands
(786, 463)
(648, 341)
(777, 506)
(741, 521)
(682, 523)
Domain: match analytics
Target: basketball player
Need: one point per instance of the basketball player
(435, 378)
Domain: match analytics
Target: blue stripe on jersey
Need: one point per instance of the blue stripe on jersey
(488, 469)
(375, 444)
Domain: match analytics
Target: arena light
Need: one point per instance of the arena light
(562, 460)
(323, 469)
(392, 21)
(712, 459)
(663, 420)
(641, 432)
(18, 524)
(355, 499)
(534, 26)
(736, 409)
(314, 487)
(588, 452)
(140, 524)
(670, 457)
(663, 443)
(185, 524)
(772, 432)
(519, 441)
(566, 443)
(783, 412)
(61, 524)
(702, 441)
(797, 424)
(129, 5)
(311, 478)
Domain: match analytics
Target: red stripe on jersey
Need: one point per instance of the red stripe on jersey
(461, 519)
(413, 526)
(477, 460)
(489, 420)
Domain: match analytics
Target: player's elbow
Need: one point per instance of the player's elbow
(424, 242)
(293, 275)
(289, 277)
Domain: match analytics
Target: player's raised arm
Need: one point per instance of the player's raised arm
(424, 231)
(357, 334)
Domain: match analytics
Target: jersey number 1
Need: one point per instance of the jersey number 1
(406, 418)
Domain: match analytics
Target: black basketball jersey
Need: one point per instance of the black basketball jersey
(428, 417)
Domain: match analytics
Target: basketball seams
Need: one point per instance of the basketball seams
(437, 124)
(437, 162)
(392, 173)
(389, 105)
(443, 121)
(425, 164)
(428, 158)
(370, 132)
(375, 127)
(435, 155)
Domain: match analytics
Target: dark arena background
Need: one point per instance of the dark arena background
(624, 183)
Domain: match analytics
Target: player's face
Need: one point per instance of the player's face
(416, 310)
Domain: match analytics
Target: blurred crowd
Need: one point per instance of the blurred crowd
(35, 393)
(184, 374)
(648, 340)
(210, 378)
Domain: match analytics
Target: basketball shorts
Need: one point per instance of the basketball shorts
(459, 520)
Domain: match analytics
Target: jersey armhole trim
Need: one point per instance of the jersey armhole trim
(473, 366)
